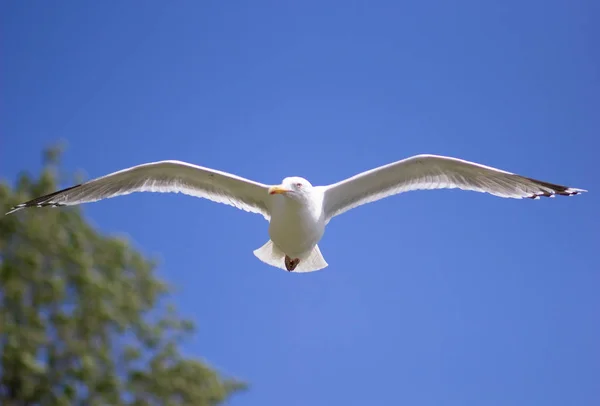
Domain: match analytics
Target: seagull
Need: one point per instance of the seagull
(297, 211)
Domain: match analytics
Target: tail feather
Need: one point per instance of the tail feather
(312, 262)
(270, 254)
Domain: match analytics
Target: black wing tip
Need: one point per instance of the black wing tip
(552, 189)
(25, 205)
(560, 191)
(14, 209)
(42, 201)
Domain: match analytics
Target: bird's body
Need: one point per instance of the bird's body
(298, 212)
(296, 227)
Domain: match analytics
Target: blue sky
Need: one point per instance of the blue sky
(430, 298)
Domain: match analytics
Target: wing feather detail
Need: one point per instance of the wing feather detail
(164, 177)
(423, 172)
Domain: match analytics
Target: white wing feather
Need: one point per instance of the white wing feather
(433, 172)
(165, 177)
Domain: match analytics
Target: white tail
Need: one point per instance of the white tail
(270, 254)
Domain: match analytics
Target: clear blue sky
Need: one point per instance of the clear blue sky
(431, 298)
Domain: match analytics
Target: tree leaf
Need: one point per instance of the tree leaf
(73, 306)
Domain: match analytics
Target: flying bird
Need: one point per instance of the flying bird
(297, 211)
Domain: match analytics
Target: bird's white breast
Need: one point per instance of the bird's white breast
(296, 227)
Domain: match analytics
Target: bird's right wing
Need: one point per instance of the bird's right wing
(433, 172)
(165, 177)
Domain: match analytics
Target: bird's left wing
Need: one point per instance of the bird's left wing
(433, 172)
(165, 177)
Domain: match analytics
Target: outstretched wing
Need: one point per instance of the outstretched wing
(165, 177)
(434, 172)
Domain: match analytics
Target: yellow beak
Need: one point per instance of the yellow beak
(277, 190)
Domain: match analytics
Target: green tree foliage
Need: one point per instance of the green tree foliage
(82, 320)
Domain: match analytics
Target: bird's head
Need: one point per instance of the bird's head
(293, 187)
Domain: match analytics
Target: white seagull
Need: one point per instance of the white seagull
(296, 210)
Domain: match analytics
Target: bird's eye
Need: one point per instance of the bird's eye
(298, 185)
